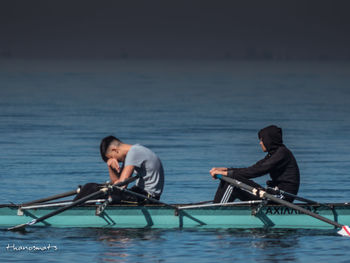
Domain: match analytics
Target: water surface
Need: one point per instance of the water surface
(194, 115)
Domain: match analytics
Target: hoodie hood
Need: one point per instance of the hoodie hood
(271, 137)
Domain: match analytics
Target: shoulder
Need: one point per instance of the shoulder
(138, 150)
(134, 149)
(283, 151)
(136, 155)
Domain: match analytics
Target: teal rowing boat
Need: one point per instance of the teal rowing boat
(253, 214)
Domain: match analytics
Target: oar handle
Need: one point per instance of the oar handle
(262, 194)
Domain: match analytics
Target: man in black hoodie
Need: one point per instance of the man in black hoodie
(279, 163)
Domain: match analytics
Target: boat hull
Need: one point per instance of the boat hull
(157, 216)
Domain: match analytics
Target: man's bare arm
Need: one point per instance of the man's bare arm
(114, 175)
(126, 173)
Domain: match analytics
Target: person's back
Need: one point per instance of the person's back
(285, 171)
(286, 174)
(279, 163)
(148, 166)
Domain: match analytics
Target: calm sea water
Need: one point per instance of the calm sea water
(194, 115)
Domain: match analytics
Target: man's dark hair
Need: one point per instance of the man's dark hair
(105, 143)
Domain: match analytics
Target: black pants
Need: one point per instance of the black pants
(228, 193)
(118, 196)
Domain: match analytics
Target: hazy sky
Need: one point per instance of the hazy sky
(175, 29)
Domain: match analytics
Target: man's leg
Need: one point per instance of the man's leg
(89, 189)
(228, 193)
(121, 197)
(223, 192)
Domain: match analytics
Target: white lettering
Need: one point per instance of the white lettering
(33, 248)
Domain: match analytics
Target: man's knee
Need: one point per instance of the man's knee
(87, 189)
(91, 186)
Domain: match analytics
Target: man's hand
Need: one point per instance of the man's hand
(218, 170)
(114, 164)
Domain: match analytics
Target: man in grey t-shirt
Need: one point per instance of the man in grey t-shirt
(135, 158)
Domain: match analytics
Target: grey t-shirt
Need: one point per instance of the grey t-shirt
(148, 166)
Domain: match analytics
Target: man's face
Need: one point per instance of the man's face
(115, 153)
(262, 146)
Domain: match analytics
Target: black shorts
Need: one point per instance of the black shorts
(117, 196)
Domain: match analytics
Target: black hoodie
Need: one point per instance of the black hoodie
(279, 162)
